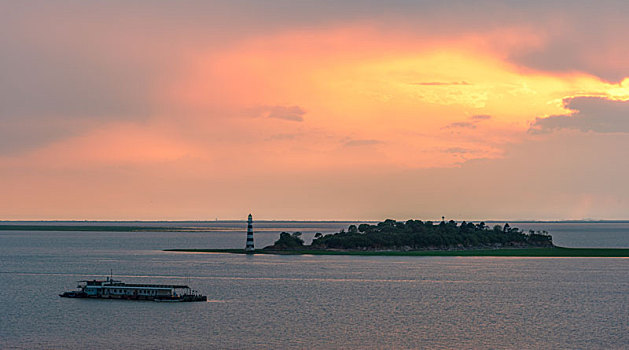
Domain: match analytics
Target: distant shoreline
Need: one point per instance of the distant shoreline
(556, 252)
(44, 222)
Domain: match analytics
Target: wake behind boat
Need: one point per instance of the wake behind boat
(113, 289)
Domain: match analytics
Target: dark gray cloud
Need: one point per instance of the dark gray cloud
(57, 79)
(475, 119)
(45, 97)
(593, 48)
(457, 150)
(281, 137)
(462, 125)
(595, 114)
(16, 136)
(441, 83)
(361, 142)
(39, 83)
(292, 113)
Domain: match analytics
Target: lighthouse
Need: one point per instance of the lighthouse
(249, 247)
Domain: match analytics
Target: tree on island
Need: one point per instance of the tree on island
(288, 241)
(418, 235)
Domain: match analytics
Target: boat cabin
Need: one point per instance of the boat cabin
(111, 288)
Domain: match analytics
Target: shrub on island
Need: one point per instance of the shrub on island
(287, 241)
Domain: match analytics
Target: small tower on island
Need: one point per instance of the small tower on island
(249, 248)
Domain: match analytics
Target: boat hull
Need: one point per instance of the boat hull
(182, 298)
(73, 294)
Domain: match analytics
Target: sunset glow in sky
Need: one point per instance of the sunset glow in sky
(314, 110)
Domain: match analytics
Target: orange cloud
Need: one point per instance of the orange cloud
(294, 101)
(400, 90)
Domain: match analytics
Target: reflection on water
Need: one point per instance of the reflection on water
(266, 301)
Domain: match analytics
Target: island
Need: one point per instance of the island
(425, 238)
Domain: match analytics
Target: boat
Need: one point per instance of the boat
(114, 289)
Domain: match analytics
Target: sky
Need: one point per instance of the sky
(314, 110)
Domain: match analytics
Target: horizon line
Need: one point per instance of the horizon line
(311, 220)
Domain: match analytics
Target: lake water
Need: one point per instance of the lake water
(266, 301)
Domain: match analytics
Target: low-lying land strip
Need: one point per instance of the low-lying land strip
(100, 228)
(514, 252)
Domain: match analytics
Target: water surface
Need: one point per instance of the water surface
(266, 301)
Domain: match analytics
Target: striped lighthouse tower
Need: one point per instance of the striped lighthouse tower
(249, 247)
